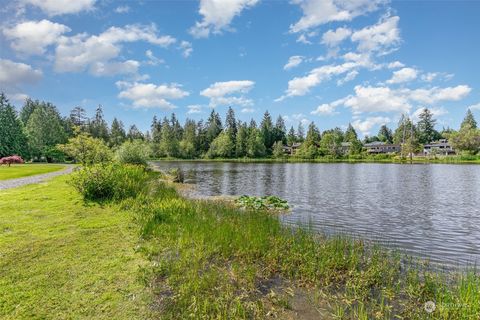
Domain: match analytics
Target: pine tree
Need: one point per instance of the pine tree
(188, 145)
(385, 134)
(134, 133)
(300, 133)
(98, 127)
(12, 138)
(176, 127)
(78, 117)
(469, 120)
(117, 133)
(213, 128)
(266, 130)
(350, 134)
(426, 127)
(280, 131)
(291, 137)
(231, 124)
(242, 140)
(28, 109)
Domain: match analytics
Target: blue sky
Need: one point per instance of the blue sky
(333, 62)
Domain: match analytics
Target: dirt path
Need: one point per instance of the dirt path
(13, 183)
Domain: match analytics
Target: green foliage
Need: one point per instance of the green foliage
(255, 146)
(469, 120)
(104, 182)
(385, 134)
(267, 132)
(262, 203)
(98, 127)
(133, 152)
(117, 133)
(12, 138)
(278, 150)
(331, 143)
(86, 150)
(222, 146)
(467, 139)
(426, 127)
(242, 141)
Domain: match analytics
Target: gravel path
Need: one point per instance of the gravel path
(13, 183)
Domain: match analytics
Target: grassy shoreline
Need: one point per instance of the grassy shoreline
(160, 255)
(418, 160)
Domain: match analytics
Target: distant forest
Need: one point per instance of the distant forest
(35, 131)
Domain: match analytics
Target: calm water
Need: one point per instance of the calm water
(426, 210)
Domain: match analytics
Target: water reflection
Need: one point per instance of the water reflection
(427, 210)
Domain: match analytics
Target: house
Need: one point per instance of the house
(438, 147)
(382, 147)
(345, 147)
(291, 150)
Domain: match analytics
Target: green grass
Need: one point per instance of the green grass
(60, 259)
(25, 170)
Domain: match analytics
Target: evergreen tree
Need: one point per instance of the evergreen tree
(426, 127)
(242, 140)
(222, 146)
(266, 130)
(78, 117)
(134, 133)
(469, 120)
(44, 129)
(313, 135)
(278, 150)
(28, 109)
(12, 138)
(231, 124)
(255, 145)
(117, 133)
(169, 145)
(188, 145)
(300, 133)
(213, 128)
(350, 134)
(98, 127)
(291, 137)
(176, 127)
(385, 134)
(404, 130)
(280, 131)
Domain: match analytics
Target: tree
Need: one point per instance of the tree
(169, 145)
(98, 127)
(405, 127)
(86, 150)
(222, 146)
(266, 130)
(12, 138)
(188, 145)
(213, 127)
(278, 150)
(231, 124)
(385, 134)
(28, 109)
(331, 143)
(300, 133)
(426, 127)
(242, 140)
(309, 148)
(467, 139)
(44, 129)
(78, 117)
(350, 134)
(133, 152)
(117, 133)
(134, 133)
(291, 136)
(255, 145)
(177, 129)
(469, 120)
(280, 131)
(313, 135)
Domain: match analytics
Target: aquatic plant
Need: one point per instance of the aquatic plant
(262, 203)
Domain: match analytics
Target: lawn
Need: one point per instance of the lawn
(25, 170)
(60, 259)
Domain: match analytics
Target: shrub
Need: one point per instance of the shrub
(86, 150)
(110, 182)
(133, 152)
(11, 159)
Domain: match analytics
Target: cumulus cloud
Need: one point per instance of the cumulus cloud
(32, 37)
(59, 7)
(192, 109)
(187, 49)
(152, 59)
(403, 75)
(217, 15)
(13, 75)
(333, 38)
(437, 112)
(149, 95)
(382, 37)
(319, 12)
(364, 126)
(229, 93)
(474, 106)
(122, 9)
(114, 68)
(395, 65)
(293, 62)
(82, 51)
(247, 110)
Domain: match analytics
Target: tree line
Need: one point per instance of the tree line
(35, 131)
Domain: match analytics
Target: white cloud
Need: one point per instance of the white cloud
(59, 7)
(192, 109)
(474, 106)
(247, 110)
(382, 37)
(13, 74)
(187, 48)
(366, 125)
(217, 15)
(334, 38)
(436, 94)
(152, 59)
(32, 37)
(122, 9)
(437, 112)
(318, 12)
(149, 95)
(349, 77)
(114, 68)
(80, 52)
(220, 93)
(403, 75)
(325, 108)
(293, 62)
(395, 64)
(303, 39)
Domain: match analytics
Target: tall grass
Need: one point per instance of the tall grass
(211, 260)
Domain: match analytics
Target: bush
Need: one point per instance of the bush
(110, 182)
(11, 159)
(86, 150)
(133, 152)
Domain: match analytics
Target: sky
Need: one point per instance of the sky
(333, 62)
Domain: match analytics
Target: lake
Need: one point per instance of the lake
(426, 210)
